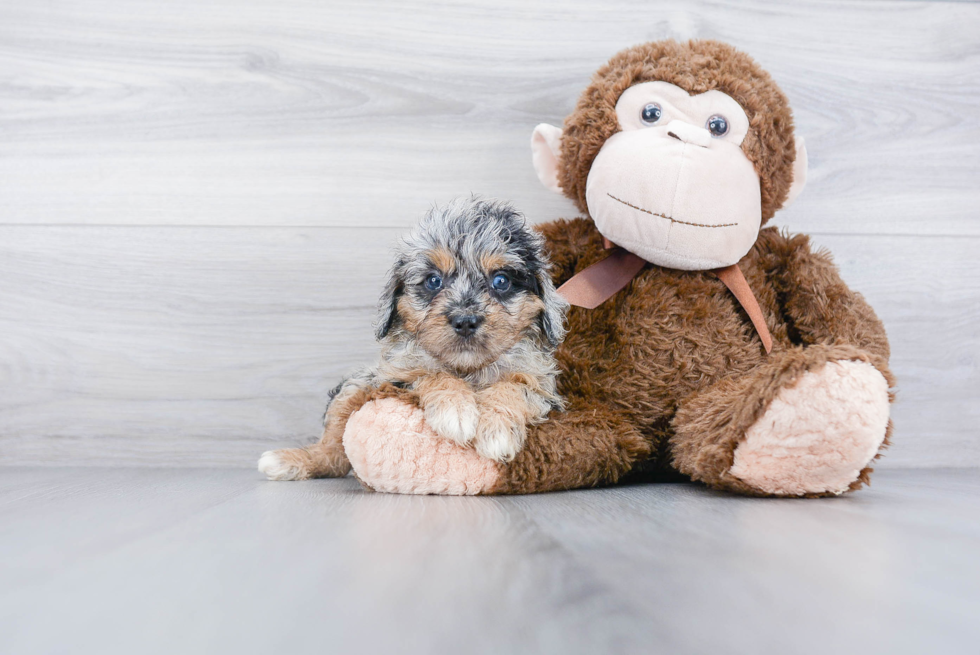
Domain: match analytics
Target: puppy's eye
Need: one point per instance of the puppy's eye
(433, 282)
(717, 125)
(500, 282)
(651, 113)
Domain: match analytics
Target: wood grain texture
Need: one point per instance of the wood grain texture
(173, 345)
(202, 561)
(313, 113)
(196, 199)
(205, 346)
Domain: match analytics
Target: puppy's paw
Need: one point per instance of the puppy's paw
(281, 465)
(453, 416)
(499, 437)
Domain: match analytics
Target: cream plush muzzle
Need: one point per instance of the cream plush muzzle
(675, 196)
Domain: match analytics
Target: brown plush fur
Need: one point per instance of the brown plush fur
(584, 446)
(669, 373)
(671, 367)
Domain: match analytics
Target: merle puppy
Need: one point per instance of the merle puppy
(468, 323)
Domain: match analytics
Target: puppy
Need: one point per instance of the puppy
(468, 324)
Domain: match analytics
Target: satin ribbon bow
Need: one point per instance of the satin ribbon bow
(599, 282)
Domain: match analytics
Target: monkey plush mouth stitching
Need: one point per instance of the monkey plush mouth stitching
(672, 220)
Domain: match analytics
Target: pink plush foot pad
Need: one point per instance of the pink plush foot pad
(817, 435)
(391, 449)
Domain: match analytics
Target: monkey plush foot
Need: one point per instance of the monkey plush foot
(391, 449)
(817, 435)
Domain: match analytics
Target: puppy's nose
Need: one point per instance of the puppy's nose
(466, 325)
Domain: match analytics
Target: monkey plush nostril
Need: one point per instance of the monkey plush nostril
(696, 136)
(466, 325)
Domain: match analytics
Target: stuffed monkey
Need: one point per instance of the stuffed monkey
(705, 343)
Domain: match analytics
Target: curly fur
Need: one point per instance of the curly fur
(483, 386)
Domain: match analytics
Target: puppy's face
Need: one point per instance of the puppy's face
(467, 313)
(471, 283)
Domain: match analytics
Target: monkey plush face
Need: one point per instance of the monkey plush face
(682, 158)
(673, 186)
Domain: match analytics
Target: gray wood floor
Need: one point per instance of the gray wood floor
(219, 561)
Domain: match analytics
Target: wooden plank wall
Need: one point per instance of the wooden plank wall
(197, 199)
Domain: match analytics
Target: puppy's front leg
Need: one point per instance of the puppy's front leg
(506, 409)
(450, 406)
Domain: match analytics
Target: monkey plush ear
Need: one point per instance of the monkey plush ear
(799, 172)
(546, 153)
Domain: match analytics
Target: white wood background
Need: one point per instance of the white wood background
(197, 199)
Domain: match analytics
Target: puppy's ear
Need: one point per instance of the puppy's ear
(552, 319)
(388, 303)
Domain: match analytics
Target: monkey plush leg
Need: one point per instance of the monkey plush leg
(584, 446)
(808, 422)
(393, 450)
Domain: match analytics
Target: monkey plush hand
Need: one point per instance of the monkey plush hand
(704, 344)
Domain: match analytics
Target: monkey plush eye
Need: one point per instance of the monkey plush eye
(651, 113)
(500, 282)
(717, 125)
(433, 282)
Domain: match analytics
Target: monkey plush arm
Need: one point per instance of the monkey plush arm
(819, 306)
